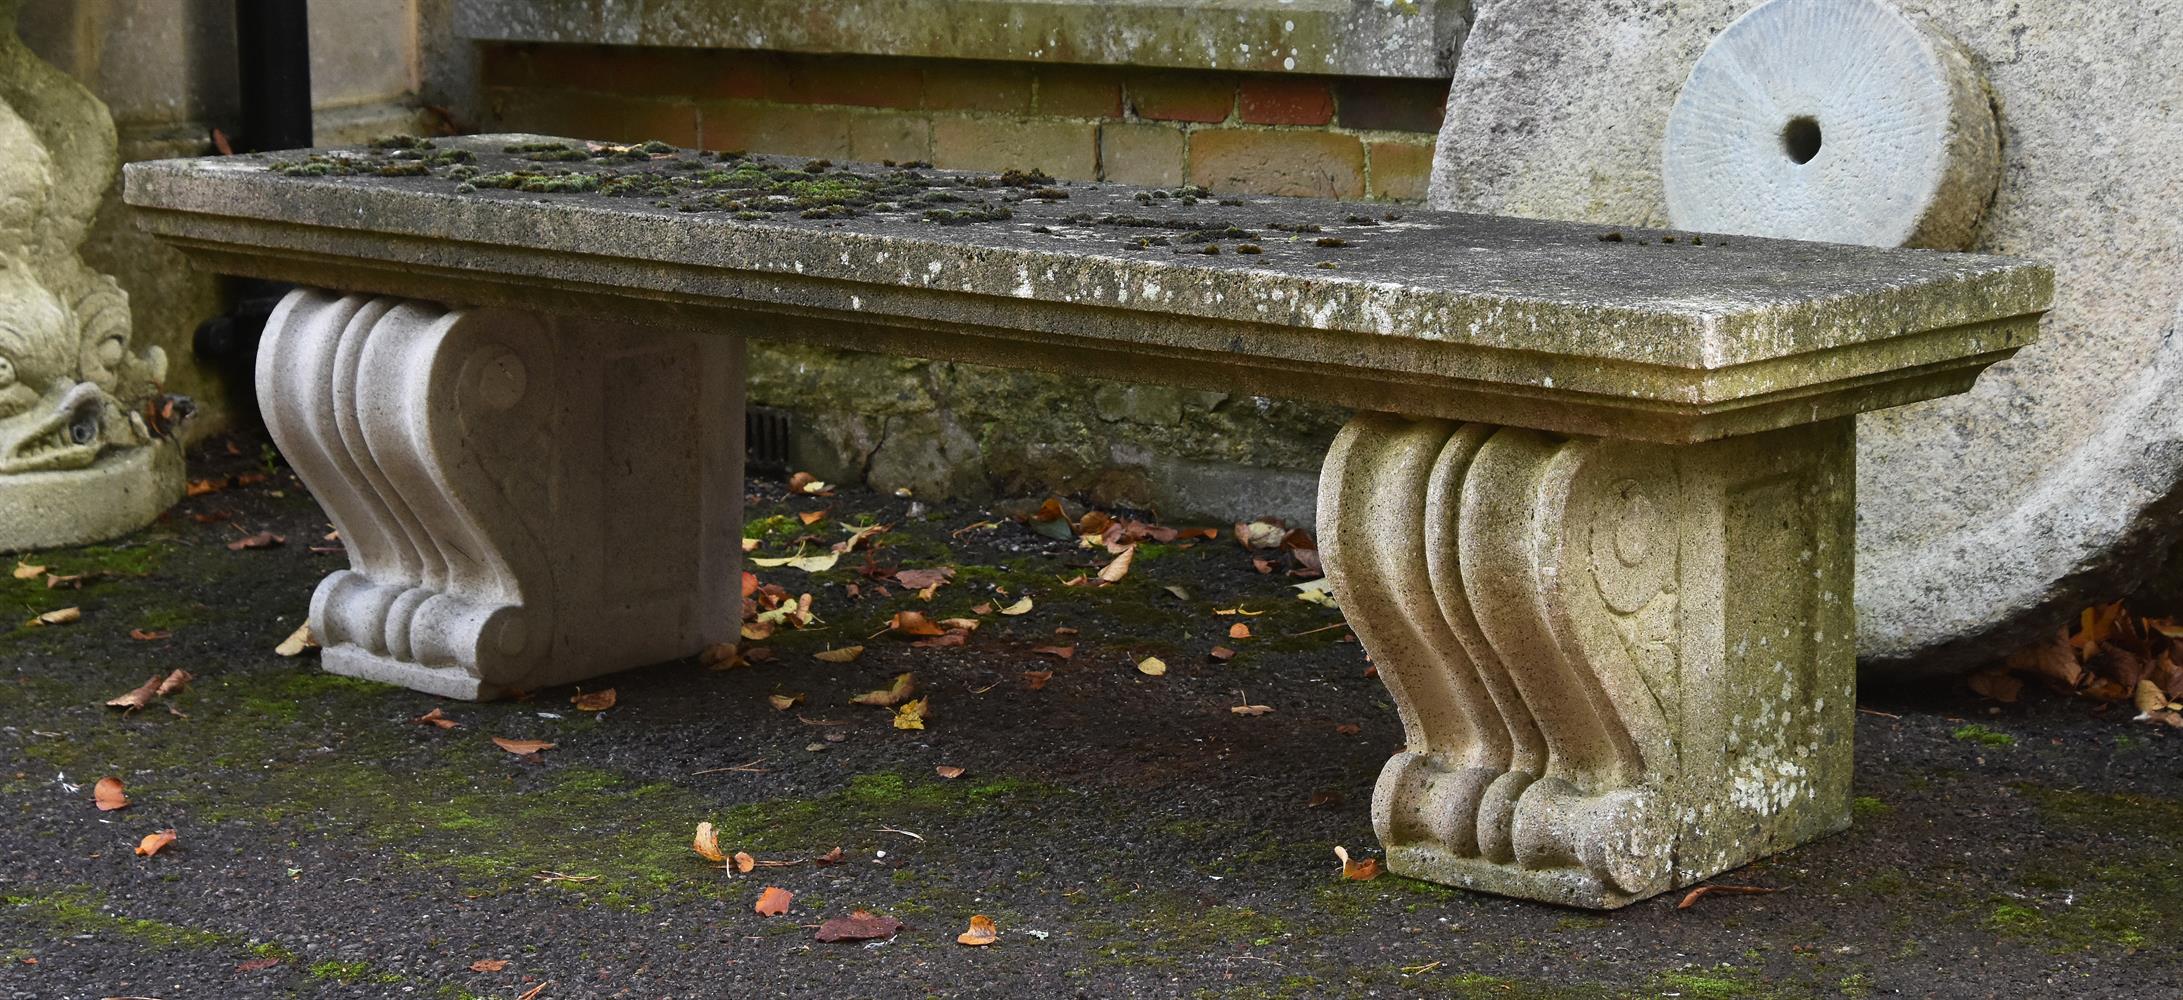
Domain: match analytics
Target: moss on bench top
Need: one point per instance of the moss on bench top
(1694, 321)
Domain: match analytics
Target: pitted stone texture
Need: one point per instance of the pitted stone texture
(1844, 121)
(1985, 516)
(1620, 668)
(525, 501)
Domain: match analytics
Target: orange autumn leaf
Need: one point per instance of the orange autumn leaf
(148, 635)
(1057, 652)
(773, 901)
(707, 843)
(1239, 631)
(175, 682)
(520, 747)
(1036, 679)
(154, 843)
(489, 965)
(436, 718)
(109, 795)
(138, 698)
(1358, 870)
(913, 623)
(948, 771)
(744, 862)
(593, 701)
(982, 932)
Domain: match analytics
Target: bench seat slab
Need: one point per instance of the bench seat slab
(1620, 667)
(526, 501)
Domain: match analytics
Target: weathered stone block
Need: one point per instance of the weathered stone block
(525, 501)
(1621, 667)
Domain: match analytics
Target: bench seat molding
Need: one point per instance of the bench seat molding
(1594, 520)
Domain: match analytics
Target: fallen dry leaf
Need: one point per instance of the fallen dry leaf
(911, 715)
(773, 901)
(489, 965)
(1691, 899)
(744, 863)
(806, 483)
(1221, 653)
(948, 771)
(707, 843)
(863, 925)
(964, 624)
(140, 697)
(533, 992)
(25, 571)
(1250, 709)
(1057, 652)
(256, 964)
(261, 540)
(784, 702)
(1319, 592)
(2149, 698)
(201, 487)
(593, 701)
(953, 637)
(154, 843)
(1152, 666)
(1036, 679)
(811, 517)
(1359, 870)
(810, 564)
(920, 579)
(894, 694)
(721, 656)
(1239, 630)
(1996, 684)
(520, 747)
(982, 931)
(913, 623)
(846, 654)
(148, 635)
(1178, 593)
(175, 682)
(1021, 607)
(297, 641)
(1114, 571)
(109, 794)
(64, 616)
(832, 857)
(436, 718)
(857, 536)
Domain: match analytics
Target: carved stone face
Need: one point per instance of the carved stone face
(49, 419)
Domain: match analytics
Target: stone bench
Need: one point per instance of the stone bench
(1593, 520)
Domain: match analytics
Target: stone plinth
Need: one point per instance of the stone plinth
(1602, 558)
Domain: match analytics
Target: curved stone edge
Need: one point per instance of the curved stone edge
(121, 492)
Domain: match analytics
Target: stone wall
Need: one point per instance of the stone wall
(166, 70)
(967, 431)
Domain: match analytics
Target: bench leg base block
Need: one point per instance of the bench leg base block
(526, 500)
(1620, 667)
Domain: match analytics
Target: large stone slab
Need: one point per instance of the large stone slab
(1576, 328)
(2055, 480)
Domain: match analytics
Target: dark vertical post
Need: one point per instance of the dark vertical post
(273, 49)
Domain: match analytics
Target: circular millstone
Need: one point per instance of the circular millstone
(1843, 121)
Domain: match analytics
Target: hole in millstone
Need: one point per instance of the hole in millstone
(1801, 138)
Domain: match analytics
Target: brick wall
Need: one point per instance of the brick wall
(1253, 133)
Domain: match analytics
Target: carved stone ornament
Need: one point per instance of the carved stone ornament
(84, 449)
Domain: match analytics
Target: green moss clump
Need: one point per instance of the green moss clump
(1975, 733)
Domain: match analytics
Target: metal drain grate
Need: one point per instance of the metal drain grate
(765, 439)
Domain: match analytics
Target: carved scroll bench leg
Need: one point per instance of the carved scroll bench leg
(1620, 667)
(525, 500)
